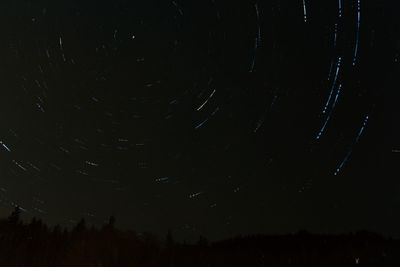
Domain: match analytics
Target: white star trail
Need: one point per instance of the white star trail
(5, 146)
(357, 32)
(357, 139)
(304, 11)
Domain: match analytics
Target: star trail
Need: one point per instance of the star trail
(214, 117)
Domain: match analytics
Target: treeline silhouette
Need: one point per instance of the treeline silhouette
(35, 244)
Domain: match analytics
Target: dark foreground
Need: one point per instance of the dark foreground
(34, 244)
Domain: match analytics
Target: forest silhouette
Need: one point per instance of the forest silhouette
(36, 244)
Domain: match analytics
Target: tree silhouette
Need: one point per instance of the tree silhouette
(14, 217)
(111, 222)
(35, 245)
(80, 226)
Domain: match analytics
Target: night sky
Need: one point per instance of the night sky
(214, 117)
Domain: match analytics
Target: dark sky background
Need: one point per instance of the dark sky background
(209, 117)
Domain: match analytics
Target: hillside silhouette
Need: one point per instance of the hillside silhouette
(36, 244)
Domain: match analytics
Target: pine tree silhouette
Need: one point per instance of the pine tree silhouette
(81, 226)
(111, 222)
(15, 216)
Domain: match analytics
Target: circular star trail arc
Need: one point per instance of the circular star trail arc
(143, 102)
